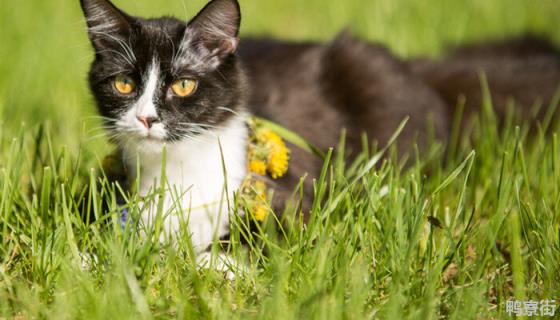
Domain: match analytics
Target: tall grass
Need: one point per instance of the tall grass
(454, 236)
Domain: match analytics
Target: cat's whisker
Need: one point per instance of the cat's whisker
(202, 125)
(111, 130)
(98, 117)
(106, 131)
(193, 138)
(106, 126)
(97, 137)
(125, 46)
(196, 124)
(105, 123)
(184, 43)
(110, 75)
(185, 11)
(181, 134)
(168, 37)
(95, 132)
(228, 110)
(185, 131)
(193, 130)
(99, 131)
(125, 57)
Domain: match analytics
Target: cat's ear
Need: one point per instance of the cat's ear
(106, 23)
(217, 26)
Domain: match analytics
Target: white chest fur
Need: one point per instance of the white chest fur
(202, 174)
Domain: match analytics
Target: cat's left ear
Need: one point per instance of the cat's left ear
(106, 23)
(217, 26)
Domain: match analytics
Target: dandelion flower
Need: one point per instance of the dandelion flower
(278, 162)
(278, 154)
(258, 167)
(260, 212)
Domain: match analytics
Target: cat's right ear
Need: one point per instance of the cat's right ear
(217, 26)
(107, 25)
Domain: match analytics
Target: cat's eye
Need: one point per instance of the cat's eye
(184, 87)
(124, 84)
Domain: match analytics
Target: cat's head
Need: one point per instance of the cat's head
(164, 80)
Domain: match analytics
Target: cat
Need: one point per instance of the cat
(184, 90)
(172, 90)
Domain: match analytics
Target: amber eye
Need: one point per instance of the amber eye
(184, 87)
(124, 84)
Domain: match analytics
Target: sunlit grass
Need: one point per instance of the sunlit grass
(453, 236)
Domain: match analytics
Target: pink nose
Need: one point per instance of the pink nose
(147, 121)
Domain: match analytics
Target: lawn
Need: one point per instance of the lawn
(455, 236)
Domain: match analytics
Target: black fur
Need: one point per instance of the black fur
(524, 70)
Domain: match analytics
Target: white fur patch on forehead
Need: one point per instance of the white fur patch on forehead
(145, 106)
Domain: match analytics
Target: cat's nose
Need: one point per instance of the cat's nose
(147, 121)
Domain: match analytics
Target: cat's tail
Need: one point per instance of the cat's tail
(525, 71)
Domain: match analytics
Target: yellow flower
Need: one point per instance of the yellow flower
(267, 136)
(278, 154)
(258, 167)
(278, 161)
(260, 212)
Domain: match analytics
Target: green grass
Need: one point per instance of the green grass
(432, 241)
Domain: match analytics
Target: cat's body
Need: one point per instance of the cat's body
(315, 89)
(186, 88)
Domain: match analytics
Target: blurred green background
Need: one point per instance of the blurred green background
(44, 51)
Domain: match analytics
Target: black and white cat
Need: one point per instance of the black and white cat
(188, 87)
(165, 84)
